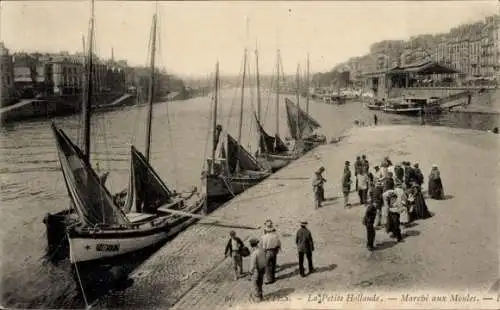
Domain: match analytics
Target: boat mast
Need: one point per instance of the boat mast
(87, 104)
(307, 83)
(214, 121)
(258, 83)
(277, 93)
(297, 93)
(151, 90)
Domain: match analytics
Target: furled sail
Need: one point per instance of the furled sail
(306, 125)
(90, 198)
(236, 155)
(267, 143)
(146, 191)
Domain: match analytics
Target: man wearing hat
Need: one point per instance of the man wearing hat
(305, 246)
(369, 221)
(358, 165)
(346, 183)
(233, 248)
(257, 268)
(318, 187)
(271, 245)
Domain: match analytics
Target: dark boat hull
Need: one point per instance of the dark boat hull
(412, 111)
(220, 189)
(373, 107)
(275, 162)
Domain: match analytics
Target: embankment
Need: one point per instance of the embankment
(456, 249)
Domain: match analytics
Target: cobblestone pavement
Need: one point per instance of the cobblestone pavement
(455, 249)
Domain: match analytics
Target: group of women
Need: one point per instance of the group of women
(396, 194)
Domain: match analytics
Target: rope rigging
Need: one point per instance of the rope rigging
(170, 126)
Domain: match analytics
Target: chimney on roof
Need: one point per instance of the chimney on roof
(112, 55)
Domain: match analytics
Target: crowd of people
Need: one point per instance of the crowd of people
(391, 193)
(393, 198)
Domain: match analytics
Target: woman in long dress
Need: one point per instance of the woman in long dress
(435, 185)
(418, 209)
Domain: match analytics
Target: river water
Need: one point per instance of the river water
(32, 183)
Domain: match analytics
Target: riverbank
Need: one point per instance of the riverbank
(446, 252)
(46, 108)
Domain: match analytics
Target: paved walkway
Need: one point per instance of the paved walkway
(455, 249)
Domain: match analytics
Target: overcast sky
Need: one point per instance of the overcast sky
(193, 35)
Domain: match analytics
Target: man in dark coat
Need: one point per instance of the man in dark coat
(305, 246)
(233, 249)
(419, 176)
(369, 221)
(346, 183)
(257, 268)
(358, 165)
(365, 165)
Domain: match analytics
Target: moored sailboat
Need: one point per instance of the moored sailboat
(231, 169)
(272, 151)
(301, 125)
(100, 229)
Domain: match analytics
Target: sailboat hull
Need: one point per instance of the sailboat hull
(275, 162)
(93, 246)
(93, 249)
(221, 189)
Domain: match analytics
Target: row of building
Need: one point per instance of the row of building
(471, 49)
(30, 75)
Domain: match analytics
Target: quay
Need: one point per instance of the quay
(455, 250)
(59, 106)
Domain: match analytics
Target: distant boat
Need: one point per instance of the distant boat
(411, 106)
(231, 169)
(375, 105)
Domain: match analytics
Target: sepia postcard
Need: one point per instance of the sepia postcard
(249, 154)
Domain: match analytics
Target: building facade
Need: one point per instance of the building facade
(7, 90)
(473, 49)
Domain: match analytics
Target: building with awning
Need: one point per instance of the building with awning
(398, 80)
(420, 74)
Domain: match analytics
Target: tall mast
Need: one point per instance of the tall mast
(258, 83)
(214, 121)
(307, 83)
(87, 104)
(242, 94)
(151, 90)
(297, 92)
(278, 93)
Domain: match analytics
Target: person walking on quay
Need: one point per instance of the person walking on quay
(389, 182)
(419, 176)
(234, 248)
(363, 182)
(257, 268)
(399, 173)
(409, 174)
(358, 164)
(378, 190)
(369, 221)
(346, 184)
(393, 202)
(365, 165)
(375, 119)
(271, 245)
(305, 247)
(318, 187)
(435, 185)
